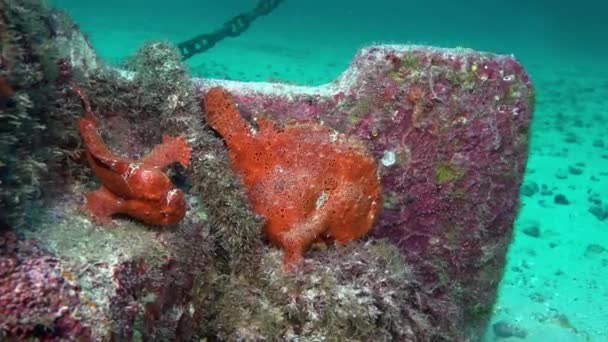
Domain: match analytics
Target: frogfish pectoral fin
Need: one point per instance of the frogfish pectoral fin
(172, 150)
(102, 204)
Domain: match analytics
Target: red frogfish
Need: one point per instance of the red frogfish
(138, 188)
(311, 183)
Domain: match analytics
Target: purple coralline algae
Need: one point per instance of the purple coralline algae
(38, 298)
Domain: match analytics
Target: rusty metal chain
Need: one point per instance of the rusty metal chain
(232, 28)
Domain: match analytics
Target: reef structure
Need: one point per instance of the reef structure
(450, 129)
(35, 293)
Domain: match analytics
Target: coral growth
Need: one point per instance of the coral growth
(360, 292)
(163, 86)
(138, 188)
(37, 137)
(311, 183)
(37, 302)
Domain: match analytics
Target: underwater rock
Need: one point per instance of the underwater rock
(600, 211)
(359, 292)
(593, 249)
(504, 329)
(599, 143)
(126, 281)
(450, 129)
(38, 296)
(561, 199)
(529, 189)
(576, 169)
(38, 47)
(531, 228)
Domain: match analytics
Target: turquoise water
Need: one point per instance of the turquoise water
(555, 285)
(311, 41)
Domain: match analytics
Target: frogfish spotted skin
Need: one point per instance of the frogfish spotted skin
(137, 188)
(311, 183)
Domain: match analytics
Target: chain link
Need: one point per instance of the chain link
(232, 28)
